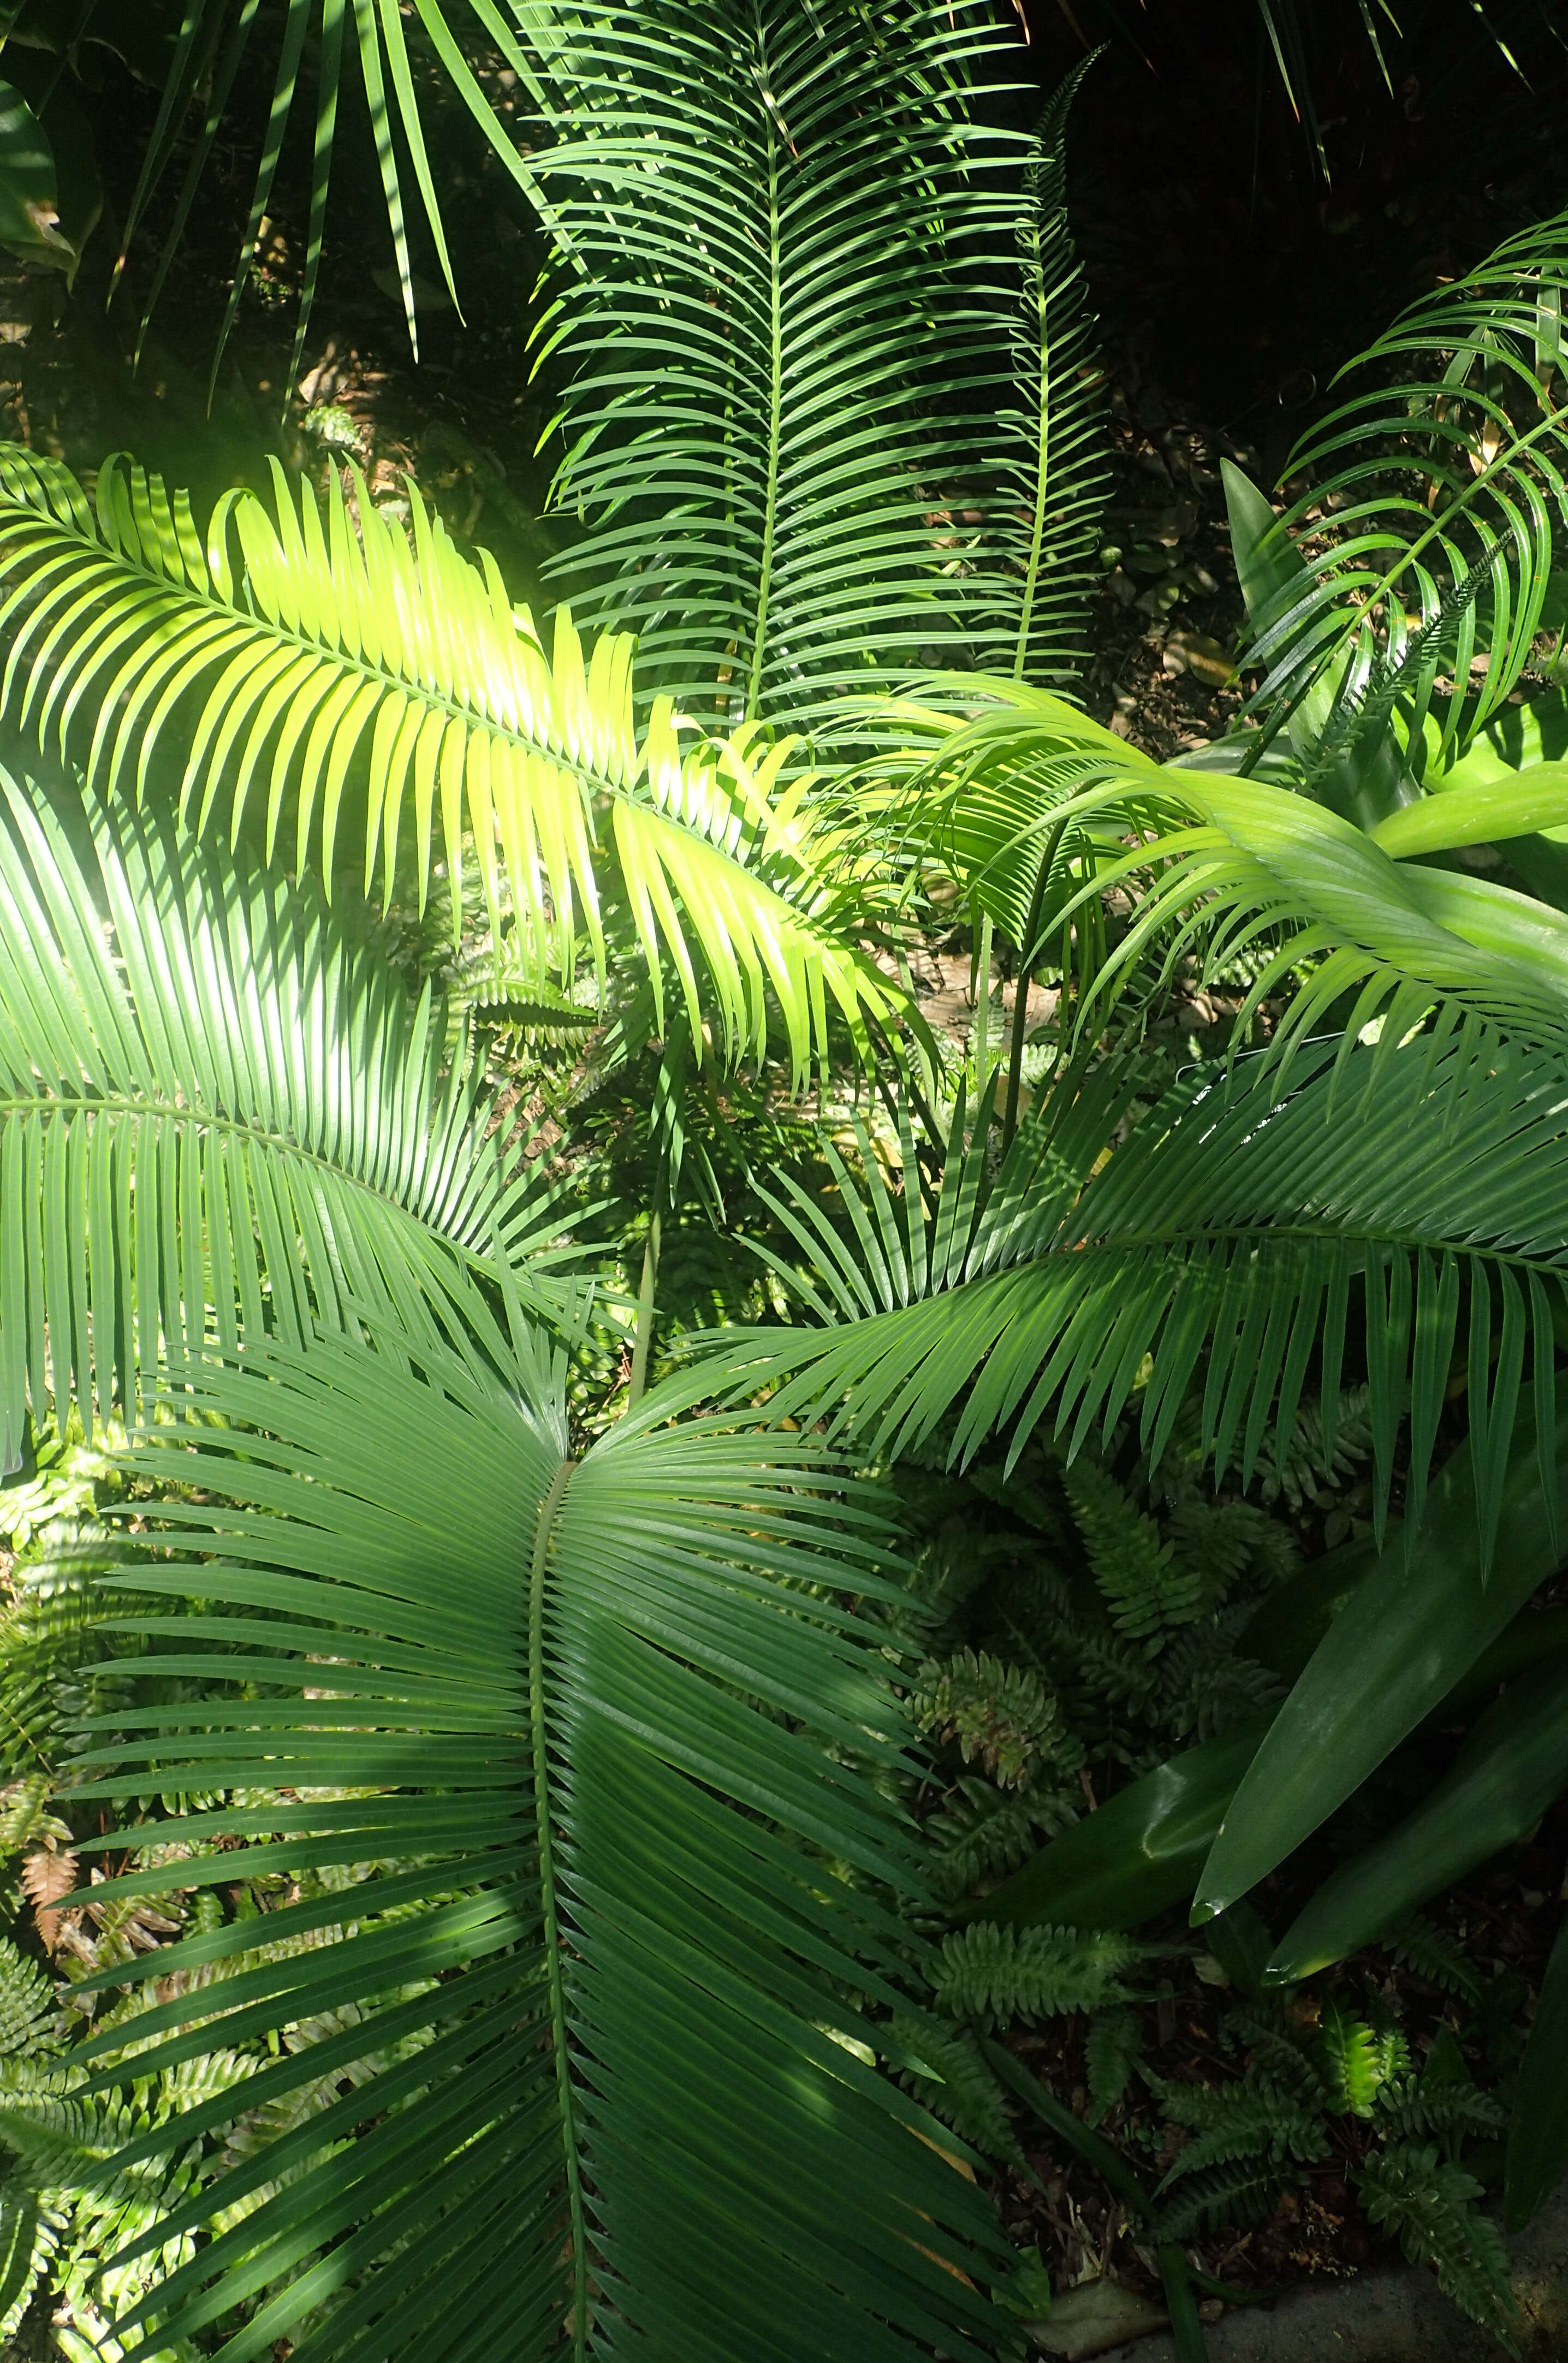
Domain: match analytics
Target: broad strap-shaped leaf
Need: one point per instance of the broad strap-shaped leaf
(579, 1773)
(218, 1119)
(337, 657)
(784, 310)
(1236, 1234)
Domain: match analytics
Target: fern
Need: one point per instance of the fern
(1229, 2122)
(943, 2066)
(982, 1832)
(1208, 1688)
(1151, 1593)
(1353, 2060)
(1310, 1463)
(1431, 2206)
(28, 2012)
(1238, 2193)
(1413, 2106)
(1432, 1956)
(1225, 1542)
(994, 1975)
(1112, 2050)
(1003, 1715)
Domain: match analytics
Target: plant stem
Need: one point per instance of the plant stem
(982, 1009)
(550, 1510)
(644, 1336)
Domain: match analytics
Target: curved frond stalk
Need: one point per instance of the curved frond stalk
(1437, 494)
(218, 1119)
(1239, 1230)
(1052, 473)
(342, 655)
(681, 1719)
(783, 331)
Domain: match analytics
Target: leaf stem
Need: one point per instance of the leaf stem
(549, 1511)
(644, 1336)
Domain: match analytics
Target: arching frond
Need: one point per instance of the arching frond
(593, 1882)
(1239, 1231)
(1222, 862)
(338, 659)
(1436, 491)
(783, 318)
(218, 1119)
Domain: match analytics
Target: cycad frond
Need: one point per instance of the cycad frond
(433, 1662)
(1050, 471)
(337, 654)
(217, 1117)
(785, 284)
(1442, 487)
(1229, 1228)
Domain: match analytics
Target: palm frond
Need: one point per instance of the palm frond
(1050, 471)
(339, 655)
(1436, 491)
(593, 1863)
(1242, 1226)
(219, 1119)
(784, 332)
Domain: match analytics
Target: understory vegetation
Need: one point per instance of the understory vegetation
(781, 1441)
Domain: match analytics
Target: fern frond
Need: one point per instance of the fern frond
(943, 2068)
(1414, 2107)
(1236, 2195)
(1232, 2121)
(1003, 1715)
(1431, 1954)
(1431, 2206)
(29, 2014)
(1112, 2050)
(1309, 1461)
(1224, 1542)
(1353, 2060)
(982, 1832)
(1149, 1593)
(1206, 1686)
(994, 1974)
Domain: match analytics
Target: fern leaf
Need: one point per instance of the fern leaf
(993, 1974)
(1112, 2050)
(943, 2068)
(982, 1831)
(1002, 1715)
(1433, 1955)
(1309, 1461)
(28, 2011)
(1149, 1593)
(1432, 2208)
(1352, 2059)
(1240, 2120)
(1235, 2195)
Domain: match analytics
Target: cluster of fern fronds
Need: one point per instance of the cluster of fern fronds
(1084, 1619)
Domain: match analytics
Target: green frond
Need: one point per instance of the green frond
(1306, 1464)
(944, 2069)
(1414, 2106)
(217, 1118)
(982, 1832)
(994, 1974)
(1052, 472)
(1149, 1593)
(28, 2010)
(424, 1661)
(1229, 2122)
(1003, 1715)
(1239, 1225)
(337, 655)
(1431, 1954)
(1113, 2048)
(1352, 2062)
(781, 314)
(1441, 481)
(1432, 2207)
(30, 2240)
(1221, 2198)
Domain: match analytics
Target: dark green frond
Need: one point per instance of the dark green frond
(993, 1974)
(569, 1765)
(1432, 2207)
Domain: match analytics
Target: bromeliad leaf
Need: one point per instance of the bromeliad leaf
(338, 654)
(580, 1771)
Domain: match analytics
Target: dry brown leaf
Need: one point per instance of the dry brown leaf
(48, 1876)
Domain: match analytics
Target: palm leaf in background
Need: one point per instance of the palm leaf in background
(1241, 1226)
(351, 675)
(1424, 542)
(788, 234)
(217, 1118)
(592, 1890)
